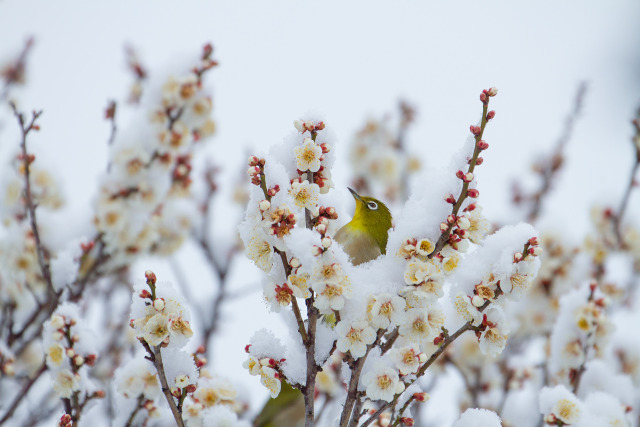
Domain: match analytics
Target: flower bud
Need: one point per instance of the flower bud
(158, 304)
(444, 227)
(57, 336)
(299, 125)
(144, 294)
(479, 161)
(253, 170)
(326, 242)
(264, 205)
(317, 250)
(473, 193)
(477, 301)
(265, 361)
(322, 229)
(483, 97)
(450, 199)
(57, 321)
(476, 130)
(491, 114)
(421, 397)
(493, 91)
(150, 276)
(78, 360)
(309, 125)
(247, 347)
(70, 353)
(468, 177)
(517, 257)
(535, 251)
(451, 219)
(294, 263)
(407, 421)
(460, 174)
(422, 357)
(482, 145)
(534, 241)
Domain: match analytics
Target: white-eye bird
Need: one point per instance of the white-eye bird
(365, 237)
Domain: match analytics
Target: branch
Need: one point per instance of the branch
(617, 218)
(31, 206)
(551, 166)
(155, 356)
(22, 394)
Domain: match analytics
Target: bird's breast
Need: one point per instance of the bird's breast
(360, 246)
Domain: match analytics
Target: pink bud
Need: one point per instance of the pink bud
(468, 177)
(444, 227)
(473, 193)
(534, 241)
(483, 97)
(482, 145)
(491, 114)
(517, 257)
(450, 199)
(476, 130)
(407, 421)
(253, 161)
(317, 250)
(493, 91)
(479, 161)
(451, 219)
(421, 397)
(150, 276)
(247, 347)
(460, 174)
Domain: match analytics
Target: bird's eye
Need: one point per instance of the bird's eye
(372, 205)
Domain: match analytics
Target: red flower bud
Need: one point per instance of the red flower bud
(534, 241)
(482, 145)
(473, 193)
(247, 347)
(479, 161)
(450, 199)
(491, 114)
(407, 421)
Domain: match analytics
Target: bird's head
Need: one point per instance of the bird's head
(373, 217)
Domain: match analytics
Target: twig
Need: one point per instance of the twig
(137, 409)
(22, 394)
(31, 206)
(155, 356)
(550, 167)
(15, 72)
(617, 218)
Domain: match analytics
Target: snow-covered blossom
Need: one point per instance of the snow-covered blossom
(385, 310)
(308, 156)
(304, 195)
(558, 403)
(137, 377)
(260, 251)
(270, 378)
(422, 324)
(65, 383)
(382, 383)
(406, 359)
(156, 323)
(494, 338)
(354, 337)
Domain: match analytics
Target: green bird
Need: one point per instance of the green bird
(365, 237)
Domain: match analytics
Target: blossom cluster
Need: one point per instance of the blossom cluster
(70, 352)
(144, 203)
(379, 158)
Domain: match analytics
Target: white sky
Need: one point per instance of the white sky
(348, 60)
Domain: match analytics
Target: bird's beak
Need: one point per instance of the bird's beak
(355, 195)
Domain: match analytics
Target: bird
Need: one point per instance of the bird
(365, 237)
(286, 410)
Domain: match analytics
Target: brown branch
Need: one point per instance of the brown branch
(31, 206)
(14, 73)
(22, 394)
(155, 356)
(550, 167)
(447, 341)
(444, 237)
(139, 406)
(617, 218)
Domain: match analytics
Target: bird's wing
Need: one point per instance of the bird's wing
(360, 246)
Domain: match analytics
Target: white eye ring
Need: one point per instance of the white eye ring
(372, 205)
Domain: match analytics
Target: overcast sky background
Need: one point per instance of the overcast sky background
(349, 60)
